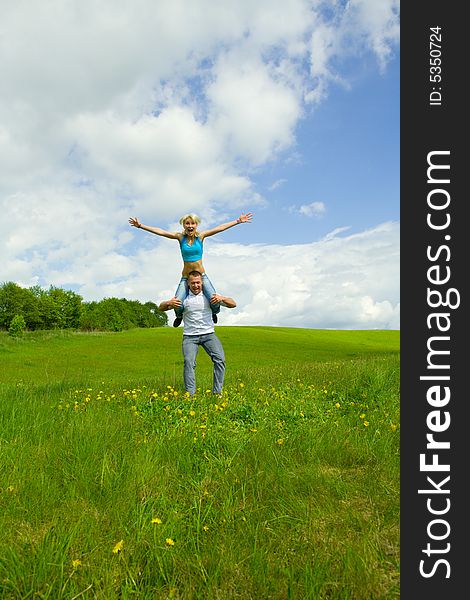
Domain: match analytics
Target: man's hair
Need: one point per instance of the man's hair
(194, 274)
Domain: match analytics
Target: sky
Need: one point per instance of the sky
(288, 109)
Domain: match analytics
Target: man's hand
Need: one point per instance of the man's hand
(171, 303)
(224, 300)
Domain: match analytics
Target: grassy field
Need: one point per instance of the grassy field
(114, 484)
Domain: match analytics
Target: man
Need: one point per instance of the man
(199, 331)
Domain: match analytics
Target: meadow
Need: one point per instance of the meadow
(114, 484)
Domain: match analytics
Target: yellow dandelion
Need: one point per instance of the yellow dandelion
(10, 488)
(169, 542)
(76, 563)
(192, 413)
(280, 442)
(156, 521)
(338, 405)
(393, 427)
(366, 423)
(118, 547)
(362, 416)
(205, 528)
(242, 385)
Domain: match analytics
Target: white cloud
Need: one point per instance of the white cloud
(251, 109)
(314, 209)
(358, 27)
(277, 184)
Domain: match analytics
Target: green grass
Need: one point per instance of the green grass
(286, 487)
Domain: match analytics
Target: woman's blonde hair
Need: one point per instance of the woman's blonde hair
(191, 216)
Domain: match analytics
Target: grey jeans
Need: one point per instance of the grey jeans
(212, 345)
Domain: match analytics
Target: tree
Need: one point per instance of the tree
(17, 326)
(66, 308)
(15, 300)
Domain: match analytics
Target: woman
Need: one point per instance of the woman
(191, 240)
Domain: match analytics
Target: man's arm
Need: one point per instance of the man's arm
(169, 304)
(224, 301)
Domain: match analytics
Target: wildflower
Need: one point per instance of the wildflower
(76, 563)
(362, 416)
(393, 427)
(192, 413)
(205, 528)
(169, 542)
(242, 385)
(366, 423)
(156, 521)
(10, 488)
(280, 442)
(338, 405)
(118, 547)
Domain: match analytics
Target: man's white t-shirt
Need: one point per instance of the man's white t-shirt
(197, 315)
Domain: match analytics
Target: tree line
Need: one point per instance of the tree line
(36, 308)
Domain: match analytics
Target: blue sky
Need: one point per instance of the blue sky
(286, 108)
(349, 154)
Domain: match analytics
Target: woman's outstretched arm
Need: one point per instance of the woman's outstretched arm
(243, 218)
(134, 221)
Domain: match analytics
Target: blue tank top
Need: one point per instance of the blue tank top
(193, 252)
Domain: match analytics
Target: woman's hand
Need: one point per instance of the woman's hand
(134, 221)
(245, 218)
